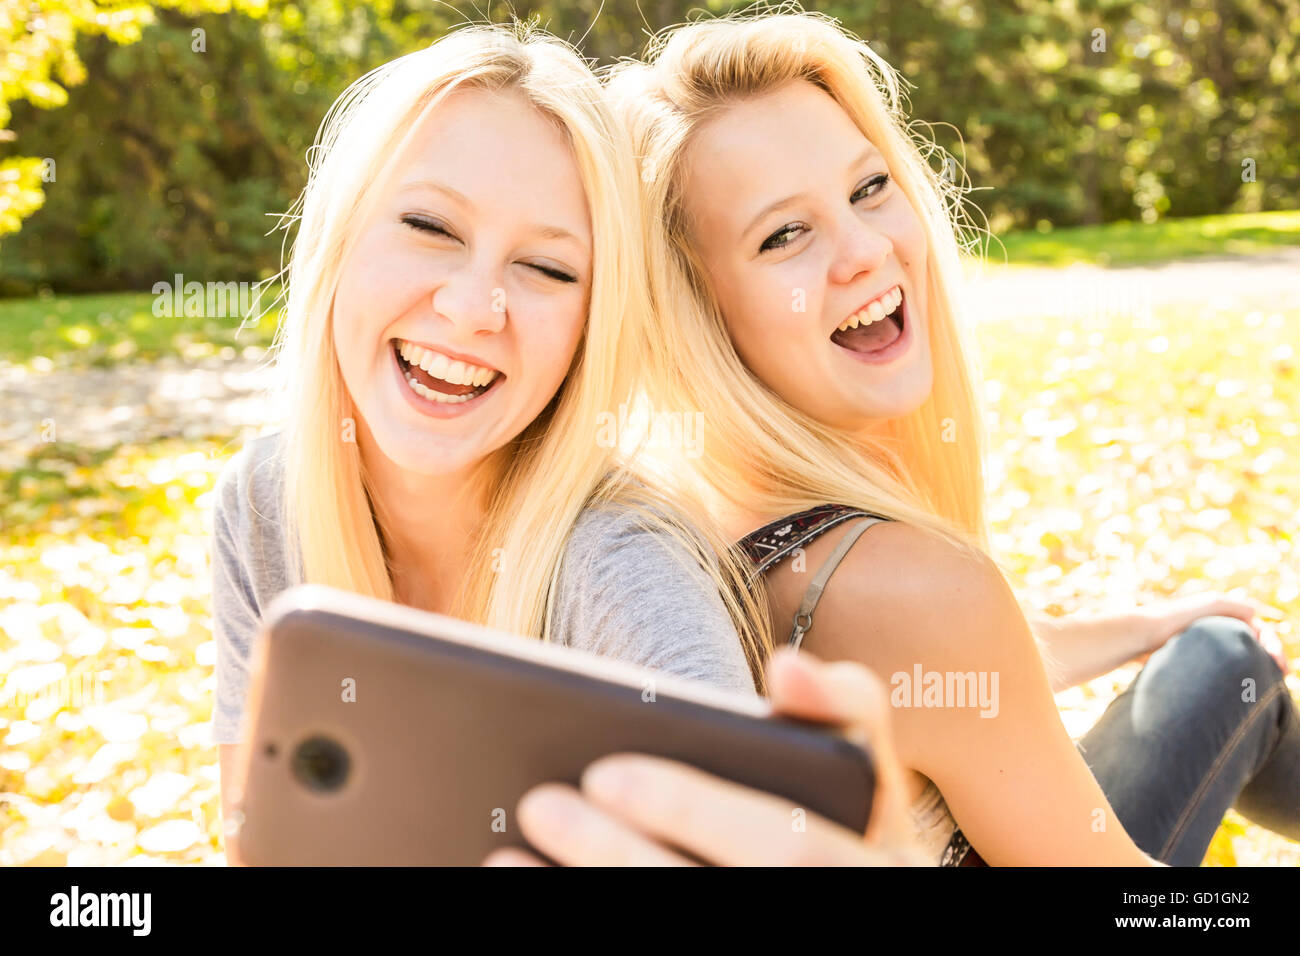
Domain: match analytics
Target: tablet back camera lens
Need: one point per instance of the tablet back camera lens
(321, 764)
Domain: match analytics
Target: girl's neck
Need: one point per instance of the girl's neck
(428, 524)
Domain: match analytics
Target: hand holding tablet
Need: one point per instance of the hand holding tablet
(636, 810)
(382, 735)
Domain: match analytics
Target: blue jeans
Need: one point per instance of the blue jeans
(1208, 724)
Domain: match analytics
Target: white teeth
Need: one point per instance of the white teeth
(875, 311)
(435, 396)
(435, 363)
(441, 367)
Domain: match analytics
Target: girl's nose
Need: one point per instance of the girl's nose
(471, 299)
(861, 249)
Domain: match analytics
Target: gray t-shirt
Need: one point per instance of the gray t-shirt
(623, 591)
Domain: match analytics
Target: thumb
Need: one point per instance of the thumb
(848, 696)
(798, 687)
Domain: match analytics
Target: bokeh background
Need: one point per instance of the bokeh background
(1137, 309)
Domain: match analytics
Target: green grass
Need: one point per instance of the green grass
(1135, 243)
(103, 329)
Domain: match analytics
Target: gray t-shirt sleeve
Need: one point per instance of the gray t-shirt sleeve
(249, 569)
(235, 613)
(628, 592)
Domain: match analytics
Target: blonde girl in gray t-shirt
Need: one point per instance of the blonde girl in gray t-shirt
(465, 302)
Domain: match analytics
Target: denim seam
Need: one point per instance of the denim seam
(1233, 742)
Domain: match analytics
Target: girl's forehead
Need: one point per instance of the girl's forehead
(486, 151)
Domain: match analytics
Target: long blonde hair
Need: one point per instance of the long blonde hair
(556, 467)
(761, 454)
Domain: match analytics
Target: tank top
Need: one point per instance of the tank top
(933, 823)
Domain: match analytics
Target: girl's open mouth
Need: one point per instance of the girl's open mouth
(434, 377)
(873, 329)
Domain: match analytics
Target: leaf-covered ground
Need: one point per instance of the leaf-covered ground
(1143, 444)
(1139, 449)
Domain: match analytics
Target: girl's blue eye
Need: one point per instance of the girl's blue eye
(881, 180)
(785, 235)
(776, 240)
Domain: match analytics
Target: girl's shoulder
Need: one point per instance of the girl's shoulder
(614, 542)
(247, 515)
(629, 587)
(250, 483)
(903, 594)
(894, 585)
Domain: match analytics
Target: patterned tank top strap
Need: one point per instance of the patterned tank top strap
(774, 542)
(771, 544)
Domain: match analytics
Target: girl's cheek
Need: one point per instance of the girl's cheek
(367, 289)
(546, 335)
(909, 236)
(794, 303)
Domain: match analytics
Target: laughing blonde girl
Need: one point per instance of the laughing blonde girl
(803, 261)
(465, 298)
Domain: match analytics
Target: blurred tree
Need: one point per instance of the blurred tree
(1061, 111)
(38, 39)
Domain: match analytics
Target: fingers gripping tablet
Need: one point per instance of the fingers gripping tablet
(384, 735)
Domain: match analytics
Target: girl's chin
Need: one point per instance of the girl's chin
(415, 448)
(870, 412)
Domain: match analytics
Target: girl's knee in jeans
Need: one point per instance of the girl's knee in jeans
(1226, 650)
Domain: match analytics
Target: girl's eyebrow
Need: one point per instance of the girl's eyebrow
(773, 207)
(865, 155)
(415, 185)
(869, 153)
(542, 231)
